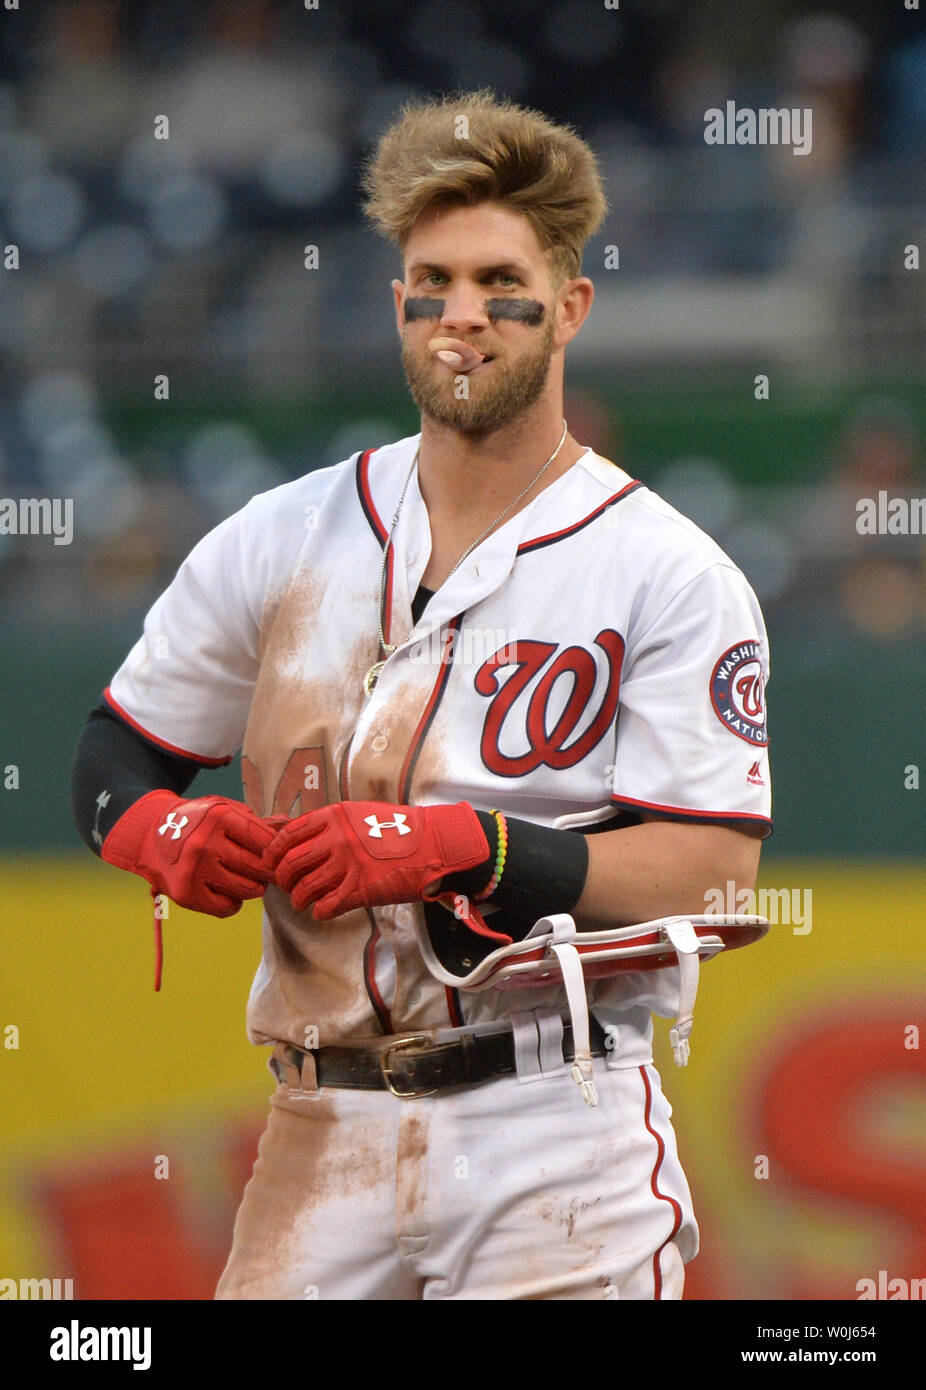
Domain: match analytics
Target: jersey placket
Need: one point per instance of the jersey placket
(414, 677)
(393, 726)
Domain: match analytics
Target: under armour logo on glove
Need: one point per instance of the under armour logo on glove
(378, 826)
(204, 853)
(216, 865)
(338, 858)
(175, 826)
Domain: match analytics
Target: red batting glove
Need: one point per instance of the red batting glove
(366, 853)
(206, 854)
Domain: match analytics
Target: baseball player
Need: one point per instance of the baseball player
(477, 676)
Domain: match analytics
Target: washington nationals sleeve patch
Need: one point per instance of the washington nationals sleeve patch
(738, 692)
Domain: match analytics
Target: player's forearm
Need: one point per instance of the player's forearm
(661, 868)
(113, 768)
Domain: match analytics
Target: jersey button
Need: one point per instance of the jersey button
(379, 744)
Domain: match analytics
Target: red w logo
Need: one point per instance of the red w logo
(548, 747)
(749, 689)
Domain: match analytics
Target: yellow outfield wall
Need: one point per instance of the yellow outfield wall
(130, 1119)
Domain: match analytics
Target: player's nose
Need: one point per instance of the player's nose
(464, 309)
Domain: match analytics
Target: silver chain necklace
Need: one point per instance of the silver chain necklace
(386, 650)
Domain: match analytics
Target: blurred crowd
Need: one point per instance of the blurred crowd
(184, 256)
(840, 553)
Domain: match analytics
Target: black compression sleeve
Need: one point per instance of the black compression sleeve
(545, 869)
(114, 762)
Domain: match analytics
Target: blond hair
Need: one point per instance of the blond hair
(431, 157)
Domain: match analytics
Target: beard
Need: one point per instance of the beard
(492, 401)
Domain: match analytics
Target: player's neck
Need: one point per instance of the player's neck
(466, 483)
(472, 479)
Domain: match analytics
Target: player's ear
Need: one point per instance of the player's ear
(398, 291)
(573, 303)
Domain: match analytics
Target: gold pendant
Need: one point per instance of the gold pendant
(372, 676)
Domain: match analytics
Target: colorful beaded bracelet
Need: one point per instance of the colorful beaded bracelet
(501, 855)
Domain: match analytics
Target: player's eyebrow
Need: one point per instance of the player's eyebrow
(518, 267)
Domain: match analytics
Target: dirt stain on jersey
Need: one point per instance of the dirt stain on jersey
(309, 691)
(376, 765)
(307, 703)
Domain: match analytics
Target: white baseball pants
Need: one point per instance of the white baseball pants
(497, 1191)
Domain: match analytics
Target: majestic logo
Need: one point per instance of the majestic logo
(754, 775)
(377, 827)
(554, 710)
(738, 695)
(175, 826)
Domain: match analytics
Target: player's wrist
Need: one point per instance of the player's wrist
(124, 845)
(472, 882)
(459, 831)
(544, 870)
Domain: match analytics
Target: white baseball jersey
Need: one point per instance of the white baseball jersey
(598, 653)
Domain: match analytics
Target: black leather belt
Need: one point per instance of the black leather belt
(418, 1066)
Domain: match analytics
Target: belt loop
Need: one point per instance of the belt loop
(550, 1050)
(309, 1075)
(469, 1056)
(294, 1069)
(284, 1068)
(526, 1046)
